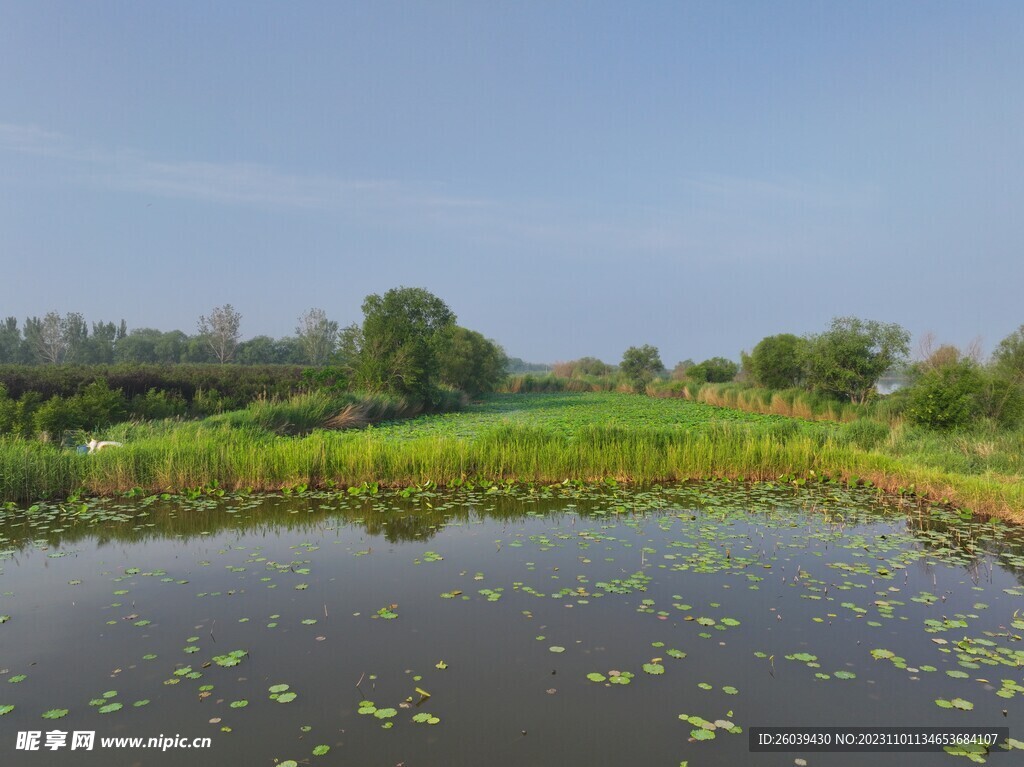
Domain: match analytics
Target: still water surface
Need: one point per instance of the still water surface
(499, 605)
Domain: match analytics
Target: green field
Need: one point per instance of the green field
(537, 438)
(567, 413)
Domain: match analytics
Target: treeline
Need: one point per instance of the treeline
(813, 376)
(408, 350)
(947, 388)
(55, 339)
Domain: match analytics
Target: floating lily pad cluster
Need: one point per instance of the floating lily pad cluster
(705, 729)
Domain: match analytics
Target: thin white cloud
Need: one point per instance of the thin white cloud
(229, 183)
(715, 216)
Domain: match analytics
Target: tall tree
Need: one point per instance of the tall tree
(396, 349)
(48, 338)
(640, 364)
(221, 331)
(849, 358)
(10, 341)
(100, 346)
(76, 332)
(317, 335)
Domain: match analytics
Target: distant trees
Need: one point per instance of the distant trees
(221, 330)
(55, 339)
(681, 369)
(849, 358)
(99, 347)
(519, 365)
(584, 366)
(640, 364)
(10, 342)
(264, 350)
(150, 345)
(470, 362)
(714, 370)
(317, 336)
(777, 362)
(407, 344)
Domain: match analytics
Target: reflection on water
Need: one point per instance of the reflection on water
(487, 609)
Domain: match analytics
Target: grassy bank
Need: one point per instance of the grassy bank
(540, 438)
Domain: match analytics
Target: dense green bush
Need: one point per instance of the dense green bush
(470, 362)
(238, 385)
(777, 361)
(55, 416)
(947, 397)
(155, 405)
(95, 408)
(100, 406)
(1002, 399)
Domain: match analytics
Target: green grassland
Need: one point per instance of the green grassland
(532, 438)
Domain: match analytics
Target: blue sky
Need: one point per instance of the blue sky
(571, 178)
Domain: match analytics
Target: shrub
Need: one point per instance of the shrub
(777, 361)
(99, 406)
(1002, 399)
(24, 413)
(57, 415)
(155, 405)
(238, 384)
(208, 402)
(946, 397)
(714, 370)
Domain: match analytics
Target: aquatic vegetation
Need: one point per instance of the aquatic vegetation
(512, 438)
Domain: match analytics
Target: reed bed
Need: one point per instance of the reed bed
(240, 458)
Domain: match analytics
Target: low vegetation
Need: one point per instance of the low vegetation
(388, 408)
(517, 438)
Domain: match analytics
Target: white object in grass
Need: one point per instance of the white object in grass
(94, 446)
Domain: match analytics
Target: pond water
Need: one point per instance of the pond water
(548, 626)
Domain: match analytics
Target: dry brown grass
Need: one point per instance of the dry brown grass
(359, 415)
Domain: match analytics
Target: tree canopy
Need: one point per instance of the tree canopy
(221, 329)
(848, 359)
(396, 348)
(470, 362)
(777, 361)
(640, 364)
(317, 335)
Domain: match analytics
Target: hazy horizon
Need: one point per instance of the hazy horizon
(572, 179)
